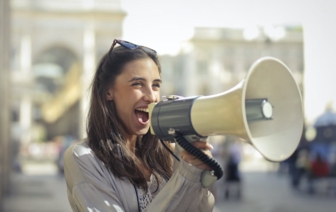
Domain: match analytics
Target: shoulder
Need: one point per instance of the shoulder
(80, 163)
(78, 150)
(76, 154)
(81, 154)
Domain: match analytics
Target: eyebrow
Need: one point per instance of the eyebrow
(143, 79)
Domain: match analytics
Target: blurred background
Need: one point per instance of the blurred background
(49, 51)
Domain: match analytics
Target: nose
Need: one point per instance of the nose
(151, 96)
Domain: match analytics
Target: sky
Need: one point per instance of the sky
(165, 24)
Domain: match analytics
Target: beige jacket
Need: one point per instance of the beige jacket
(91, 187)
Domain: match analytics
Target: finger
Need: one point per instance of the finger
(203, 167)
(197, 163)
(202, 145)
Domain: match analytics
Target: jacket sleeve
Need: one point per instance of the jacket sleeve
(87, 188)
(183, 192)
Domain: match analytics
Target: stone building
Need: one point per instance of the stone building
(54, 49)
(216, 59)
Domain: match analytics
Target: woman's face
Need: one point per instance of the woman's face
(137, 86)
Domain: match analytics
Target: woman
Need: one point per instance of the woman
(121, 166)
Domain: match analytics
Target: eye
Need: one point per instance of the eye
(158, 85)
(137, 84)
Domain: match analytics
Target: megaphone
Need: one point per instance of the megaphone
(264, 109)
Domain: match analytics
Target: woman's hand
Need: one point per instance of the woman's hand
(189, 158)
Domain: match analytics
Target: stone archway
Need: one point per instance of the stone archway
(50, 67)
(57, 91)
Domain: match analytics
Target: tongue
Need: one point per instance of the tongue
(142, 116)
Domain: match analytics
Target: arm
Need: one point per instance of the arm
(183, 192)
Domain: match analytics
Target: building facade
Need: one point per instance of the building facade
(216, 59)
(54, 49)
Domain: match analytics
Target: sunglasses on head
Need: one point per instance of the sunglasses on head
(129, 45)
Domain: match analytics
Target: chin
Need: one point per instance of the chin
(143, 131)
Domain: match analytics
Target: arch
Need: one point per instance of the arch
(58, 55)
(50, 67)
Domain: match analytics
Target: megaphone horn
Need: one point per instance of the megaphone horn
(265, 109)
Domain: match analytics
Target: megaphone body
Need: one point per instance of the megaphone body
(265, 109)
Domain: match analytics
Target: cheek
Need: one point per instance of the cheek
(158, 96)
(123, 112)
(125, 103)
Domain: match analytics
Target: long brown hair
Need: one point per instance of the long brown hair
(105, 131)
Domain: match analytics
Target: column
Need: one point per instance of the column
(5, 163)
(89, 66)
(189, 79)
(26, 101)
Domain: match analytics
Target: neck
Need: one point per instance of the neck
(131, 142)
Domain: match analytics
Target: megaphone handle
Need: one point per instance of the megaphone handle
(208, 178)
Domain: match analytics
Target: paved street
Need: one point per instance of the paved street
(264, 190)
(268, 192)
(40, 189)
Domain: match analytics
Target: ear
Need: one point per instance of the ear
(109, 95)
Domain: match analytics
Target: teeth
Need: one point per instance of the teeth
(142, 109)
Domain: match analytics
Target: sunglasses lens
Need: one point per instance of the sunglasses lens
(128, 45)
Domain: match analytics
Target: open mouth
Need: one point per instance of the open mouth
(142, 115)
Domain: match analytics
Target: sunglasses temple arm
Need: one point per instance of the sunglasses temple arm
(113, 44)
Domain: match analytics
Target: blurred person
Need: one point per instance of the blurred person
(63, 143)
(16, 147)
(292, 169)
(332, 159)
(17, 167)
(302, 167)
(333, 165)
(232, 172)
(218, 152)
(318, 168)
(59, 142)
(120, 166)
(332, 184)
